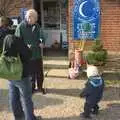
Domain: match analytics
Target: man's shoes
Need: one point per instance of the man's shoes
(42, 90)
(39, 118)
(85, 116)
(34, 91)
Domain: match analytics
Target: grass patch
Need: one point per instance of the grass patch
(112, 82)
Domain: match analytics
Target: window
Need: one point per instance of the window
(51, 14)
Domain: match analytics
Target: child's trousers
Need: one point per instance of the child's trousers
(90, 108)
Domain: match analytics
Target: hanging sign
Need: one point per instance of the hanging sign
(22, 13)
(86, 19)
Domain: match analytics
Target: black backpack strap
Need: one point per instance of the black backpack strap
(9, 46)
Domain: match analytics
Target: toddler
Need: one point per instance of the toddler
(92, 92)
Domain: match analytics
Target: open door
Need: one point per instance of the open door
(52, 18)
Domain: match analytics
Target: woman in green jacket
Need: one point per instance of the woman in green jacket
(29, 31)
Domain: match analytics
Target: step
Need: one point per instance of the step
(56, 64)
(62, 73)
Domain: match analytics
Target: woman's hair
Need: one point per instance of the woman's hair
(33, 13)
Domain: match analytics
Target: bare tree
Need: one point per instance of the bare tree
(7, 6)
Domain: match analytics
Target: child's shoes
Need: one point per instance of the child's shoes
(95, 112)
(85, 116)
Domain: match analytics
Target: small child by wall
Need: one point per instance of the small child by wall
(93, 91)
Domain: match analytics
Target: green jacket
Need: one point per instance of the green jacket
(31, 35)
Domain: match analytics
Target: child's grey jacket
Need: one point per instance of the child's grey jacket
(93, 90)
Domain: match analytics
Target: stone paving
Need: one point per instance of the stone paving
(62, 101)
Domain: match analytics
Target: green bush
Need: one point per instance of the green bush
(90, 58)
(97, 46)
(98, 55)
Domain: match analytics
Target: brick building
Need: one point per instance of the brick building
(110, 22)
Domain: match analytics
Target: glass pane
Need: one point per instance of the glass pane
(51, 14)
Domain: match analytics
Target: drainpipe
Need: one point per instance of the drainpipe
(60, 26)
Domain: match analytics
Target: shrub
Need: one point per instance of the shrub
(97, 46)
(98, 55)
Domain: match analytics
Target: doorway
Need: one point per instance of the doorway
(52, 18)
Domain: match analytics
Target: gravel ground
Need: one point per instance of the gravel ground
(62, 102)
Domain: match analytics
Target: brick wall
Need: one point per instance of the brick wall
(20, 4)
(110, 25)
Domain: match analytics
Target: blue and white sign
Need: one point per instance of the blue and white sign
(22, 13)
(86, 19)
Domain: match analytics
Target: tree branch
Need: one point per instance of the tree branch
(6, 6)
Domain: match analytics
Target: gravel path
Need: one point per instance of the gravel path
(62, 102)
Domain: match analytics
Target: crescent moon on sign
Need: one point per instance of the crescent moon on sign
(80, 9)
